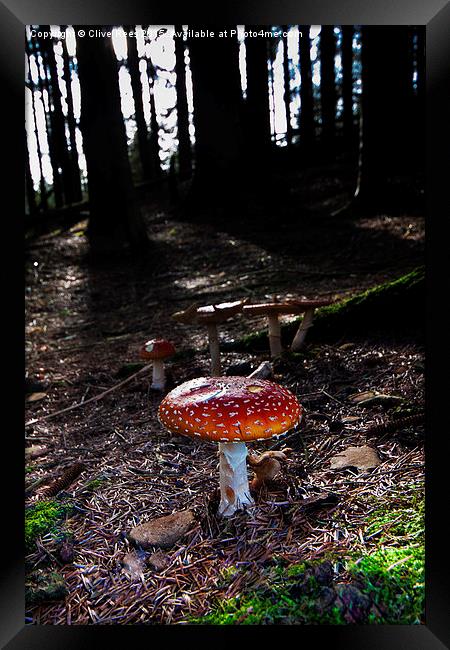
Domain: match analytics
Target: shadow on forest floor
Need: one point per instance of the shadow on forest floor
(86, 322)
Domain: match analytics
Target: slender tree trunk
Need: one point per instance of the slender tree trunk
(77, 193)
(154, 126)
(347, 86)
(218, 106)
(184, 140)
(287, 87)
(57, 122)
(141, 124)
(29, 188)
(43, 83)
(115, 222)
(328, 86)
(385, 154)
(307, 127)
(257, 105)
(42, 187)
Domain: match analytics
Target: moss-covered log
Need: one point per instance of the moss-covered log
(395, 307)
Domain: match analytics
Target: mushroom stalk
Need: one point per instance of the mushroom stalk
(214, 349)
(234, 487)
(306, 323)
(158, 376)
(274, 335)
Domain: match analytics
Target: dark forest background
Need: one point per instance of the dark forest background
(355, 113)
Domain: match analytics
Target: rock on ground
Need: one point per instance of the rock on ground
(164, 531)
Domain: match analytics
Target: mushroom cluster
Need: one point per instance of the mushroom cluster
(231, 411)
(274, 309)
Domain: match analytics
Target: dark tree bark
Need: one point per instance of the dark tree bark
(30, 193)
(115, 222)
(257, 106)
(307, 127)
(43, 84)
(184, 140)
(141, 124)
(347, 87)
(77, 193)
(287, 87)
(57, 123)
(328, 86)
(387, 102)
(218, 107)
(42, 187)
(154, 126)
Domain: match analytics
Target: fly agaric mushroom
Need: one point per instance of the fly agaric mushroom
(273, 310)
(211, 316)
(231, 411)
(157, 350)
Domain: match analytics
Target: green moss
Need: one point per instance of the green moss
(95, 484)
(388, 307)
(394, 580)
(42, 518)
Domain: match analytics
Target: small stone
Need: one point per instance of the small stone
(164, 531)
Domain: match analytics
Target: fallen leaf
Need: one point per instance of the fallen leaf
(371, 397)
(359, 457)
(35, 451)
(35, 397)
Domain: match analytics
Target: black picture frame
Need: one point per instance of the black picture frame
(435, 15)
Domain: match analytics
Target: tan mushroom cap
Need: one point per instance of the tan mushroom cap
(286, 307)
(230, 409)
(210, 313)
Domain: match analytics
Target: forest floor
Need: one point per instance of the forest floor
(85, 324)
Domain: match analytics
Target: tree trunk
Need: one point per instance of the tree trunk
(42, 187)
(257, 102)
(328, 86)
(184, 140)
(141, 125)
(347, 87)
(218, 106)
(287, 87)
(77, 193)
(387, 101)
(30, 194)
(43, 84)
(57, 122)
(307, 128)
(115, 222)
(154, 126)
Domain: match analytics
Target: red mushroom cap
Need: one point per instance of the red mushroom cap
(230, 409)
(157, 349)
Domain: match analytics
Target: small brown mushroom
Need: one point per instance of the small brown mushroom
(266, 466)
(273, 310)
(211, 316)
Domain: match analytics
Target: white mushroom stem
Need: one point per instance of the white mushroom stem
(306, 323)
(234, 487)
(274, 335)
(159, 375)
(213, 337)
